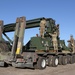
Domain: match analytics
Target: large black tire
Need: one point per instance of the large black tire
(64, 60)
(41, 63)
(74, 58)
(60, 59)
(50, 60)
(55, 61)
(71, 59)
(68, 59)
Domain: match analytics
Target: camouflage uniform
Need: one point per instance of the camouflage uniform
(71, 44)
(54, 40)
(57, 30)
(42, 27)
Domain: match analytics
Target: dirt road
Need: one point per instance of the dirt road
(60, 70)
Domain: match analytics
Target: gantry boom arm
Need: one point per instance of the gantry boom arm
(29, 24)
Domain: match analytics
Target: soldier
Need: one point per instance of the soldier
(54, 40)
(42, 27)
(57, 30)
(71, 44)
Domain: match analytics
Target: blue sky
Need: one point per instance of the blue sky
(63, 11)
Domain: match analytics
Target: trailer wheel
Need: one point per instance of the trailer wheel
(71, 59)
(60, 59)
(50, 59)
(74, 58)
(55, 61)
(41, 63)
(64, 60)
(68, 59)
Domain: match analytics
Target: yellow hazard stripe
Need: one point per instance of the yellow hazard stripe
(18, 51)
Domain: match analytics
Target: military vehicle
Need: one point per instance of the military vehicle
(38, 52)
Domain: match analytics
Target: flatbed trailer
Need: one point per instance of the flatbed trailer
(43, 59)
(38, 52)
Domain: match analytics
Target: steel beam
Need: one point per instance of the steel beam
(29, 24)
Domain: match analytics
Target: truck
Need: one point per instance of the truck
(38, 52)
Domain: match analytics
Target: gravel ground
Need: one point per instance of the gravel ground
(60, 70)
